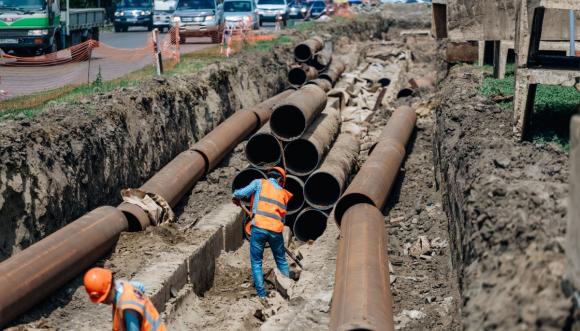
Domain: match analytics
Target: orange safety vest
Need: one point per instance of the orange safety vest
(271, 208)
(134, 300)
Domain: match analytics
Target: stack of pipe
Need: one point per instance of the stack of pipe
(313, 58)
(300, 134)
(32, 274)
(362, 298)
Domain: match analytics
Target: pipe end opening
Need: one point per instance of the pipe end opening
(301, 157)
(348, 201)
(302, 53)
(295, 186)
(287, 122)
(310, 224)
(297, 76)
(322, 190)
(263, 150)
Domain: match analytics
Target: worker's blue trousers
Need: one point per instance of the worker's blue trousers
(258, 240)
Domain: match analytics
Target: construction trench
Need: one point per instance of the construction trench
(389, 134)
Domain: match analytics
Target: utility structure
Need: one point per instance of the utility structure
(534, 66)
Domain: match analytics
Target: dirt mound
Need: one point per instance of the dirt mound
(507, 206)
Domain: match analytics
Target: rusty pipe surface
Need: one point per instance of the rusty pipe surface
(226, 136)
(295, 186)
(304, 51)
(400, 124)
(246, 176)
(377, 175)
(362, 296)
(322, 83)
(300, 74)
(263, 150)
(323, 58)
(292, 116)
(334, 71)
(323, 187)
(32, 274)
(310, 224)
(179, 175)
(304, 155)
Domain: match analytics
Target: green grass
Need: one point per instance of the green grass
(553, 107)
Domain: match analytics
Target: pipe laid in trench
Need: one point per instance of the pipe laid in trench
(332, 74)
(295, 186)
(290, 118)
(322, 83)
(304, 51)
(300, 74)
(323, 187)
(303, 155)
(32, 274)
(377, 175)
(263, 150)
(246, 176)
(322, 59)
(362, 297)
(310, 224)
(400, 124)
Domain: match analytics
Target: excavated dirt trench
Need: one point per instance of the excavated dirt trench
(74, 157)
(424, 289)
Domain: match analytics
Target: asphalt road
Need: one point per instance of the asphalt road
(107, 62)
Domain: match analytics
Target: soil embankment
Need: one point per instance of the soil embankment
(506, 203)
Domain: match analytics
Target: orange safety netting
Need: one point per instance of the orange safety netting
(84, 63)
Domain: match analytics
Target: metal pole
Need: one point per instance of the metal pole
(156, 50)
(572, 33)
(68, 17)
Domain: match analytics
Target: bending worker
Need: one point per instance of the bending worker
(269, 201)
(132, 311)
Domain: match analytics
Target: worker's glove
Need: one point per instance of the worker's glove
(236, 201)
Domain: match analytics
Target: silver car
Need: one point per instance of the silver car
(236, 11)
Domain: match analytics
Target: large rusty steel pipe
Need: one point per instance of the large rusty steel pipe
(323, 187)
(322, 83)
(304, 51)
(295, 186)
(310, 224)
(322, 59)
(32, 274)
(290, 118)
(246, 176)
(263, 150)
(377, 175)
(300, 74)
(221, 140)
(400, 124)
(304, 155)
(362, 297)
(179, 175)
(334, 71)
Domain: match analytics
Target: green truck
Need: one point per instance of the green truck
(35, 27)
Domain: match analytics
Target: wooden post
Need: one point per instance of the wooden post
(573, 226)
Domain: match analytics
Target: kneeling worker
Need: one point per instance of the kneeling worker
(269, 202)
(132, 311)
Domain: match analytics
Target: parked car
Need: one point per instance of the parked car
(270, 9)
(162, 12)
(199, 18)
(318, 8)
(133, 13)
(236, 11)
(297, 9)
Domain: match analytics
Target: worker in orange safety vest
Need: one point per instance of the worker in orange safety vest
(132, 311)
(269, 203)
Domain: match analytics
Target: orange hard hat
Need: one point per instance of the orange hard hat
(98, 283)
(279, 170)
